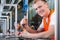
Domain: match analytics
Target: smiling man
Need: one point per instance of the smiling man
(48, 21)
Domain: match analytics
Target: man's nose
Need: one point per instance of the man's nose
(38, 10)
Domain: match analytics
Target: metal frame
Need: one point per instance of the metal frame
(5, 22)
(10, 18)
(15, 5)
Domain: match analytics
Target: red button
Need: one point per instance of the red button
(19, 33)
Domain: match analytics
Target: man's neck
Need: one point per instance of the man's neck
(48, 14)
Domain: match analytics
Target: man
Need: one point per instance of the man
(48, 22)
(29, 29)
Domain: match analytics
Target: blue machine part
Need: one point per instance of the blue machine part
(25, 5)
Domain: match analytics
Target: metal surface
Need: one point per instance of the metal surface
(10, 18)
(15, 6)
(13, 37)
(2, 17)
(3, 25)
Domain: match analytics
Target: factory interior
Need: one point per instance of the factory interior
(12, 11)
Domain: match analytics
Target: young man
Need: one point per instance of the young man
(48, 21)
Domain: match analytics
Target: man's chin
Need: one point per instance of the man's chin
(41, 15)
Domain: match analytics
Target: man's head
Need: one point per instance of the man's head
(41, 7)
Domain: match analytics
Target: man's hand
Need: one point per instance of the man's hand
(25, 34)
(24, 21)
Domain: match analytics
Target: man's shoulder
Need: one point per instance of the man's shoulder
(54, 14)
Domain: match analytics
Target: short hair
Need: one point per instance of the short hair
(39, 0)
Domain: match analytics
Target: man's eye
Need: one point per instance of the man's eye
(39, 6)
(36, 9)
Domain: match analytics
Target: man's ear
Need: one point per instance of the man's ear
(46, 4)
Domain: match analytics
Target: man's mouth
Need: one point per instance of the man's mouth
(41, 12)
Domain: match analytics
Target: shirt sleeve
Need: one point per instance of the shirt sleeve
(53, 19)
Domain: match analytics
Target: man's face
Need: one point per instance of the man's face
(41, 8)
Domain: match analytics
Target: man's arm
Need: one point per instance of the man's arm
(45, 34)
(50, 31)
(30, 30)
(24, 23)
